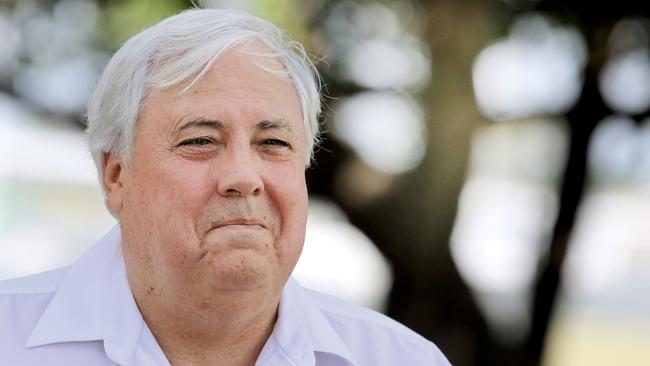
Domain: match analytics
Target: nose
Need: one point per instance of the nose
(239, 175)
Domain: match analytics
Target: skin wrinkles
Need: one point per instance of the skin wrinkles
(218, 125)
(200, 122)
(241, 216)
(191, 132)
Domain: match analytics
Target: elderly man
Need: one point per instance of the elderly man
(201, 128)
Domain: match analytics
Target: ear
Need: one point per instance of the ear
(113, 178)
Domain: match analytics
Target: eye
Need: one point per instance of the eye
(276, 142)
(196, 142)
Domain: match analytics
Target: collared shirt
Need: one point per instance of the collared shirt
(85, 314)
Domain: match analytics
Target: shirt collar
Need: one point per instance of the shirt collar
(302, 330)
(93, 302)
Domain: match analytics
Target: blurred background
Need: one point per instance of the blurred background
(484, 179)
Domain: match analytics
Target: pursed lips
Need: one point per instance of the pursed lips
(239, 223)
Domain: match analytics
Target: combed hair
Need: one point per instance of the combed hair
(179, 50)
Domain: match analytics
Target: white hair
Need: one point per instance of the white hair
(181, 49)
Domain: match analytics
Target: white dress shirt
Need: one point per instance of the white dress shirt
(85, 314)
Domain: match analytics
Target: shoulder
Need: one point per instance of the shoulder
(374, 338)
(344, 311)
(22, 302)
(40, 283)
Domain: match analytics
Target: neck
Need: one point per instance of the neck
(222, 329)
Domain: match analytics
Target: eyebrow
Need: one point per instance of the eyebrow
(274, 124)
(216, 124)
(200, 122)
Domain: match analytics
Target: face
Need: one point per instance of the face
(214, 198)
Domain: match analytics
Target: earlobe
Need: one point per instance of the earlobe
(112, 178)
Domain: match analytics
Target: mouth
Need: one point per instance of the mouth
(238, 224)
(237, 233)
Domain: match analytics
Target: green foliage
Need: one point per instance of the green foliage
(127, 17)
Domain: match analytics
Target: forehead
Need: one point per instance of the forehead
(243, 83)
(250, 70)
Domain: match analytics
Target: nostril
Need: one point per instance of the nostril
(239, 182)
(233, 192)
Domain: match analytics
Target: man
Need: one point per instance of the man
(201, 128)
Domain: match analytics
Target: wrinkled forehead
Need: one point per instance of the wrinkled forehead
(168, 73)
(245, 79)
(249, 69)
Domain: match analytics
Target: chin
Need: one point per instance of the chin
(241, 270)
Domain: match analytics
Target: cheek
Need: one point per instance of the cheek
(290, 189)
(173, 189)
(290, 195)
(161, 205)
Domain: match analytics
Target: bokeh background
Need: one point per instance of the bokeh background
(484, 179)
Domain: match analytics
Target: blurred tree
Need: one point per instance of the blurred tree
(412, 223)
(595, 20)
(122, 18)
